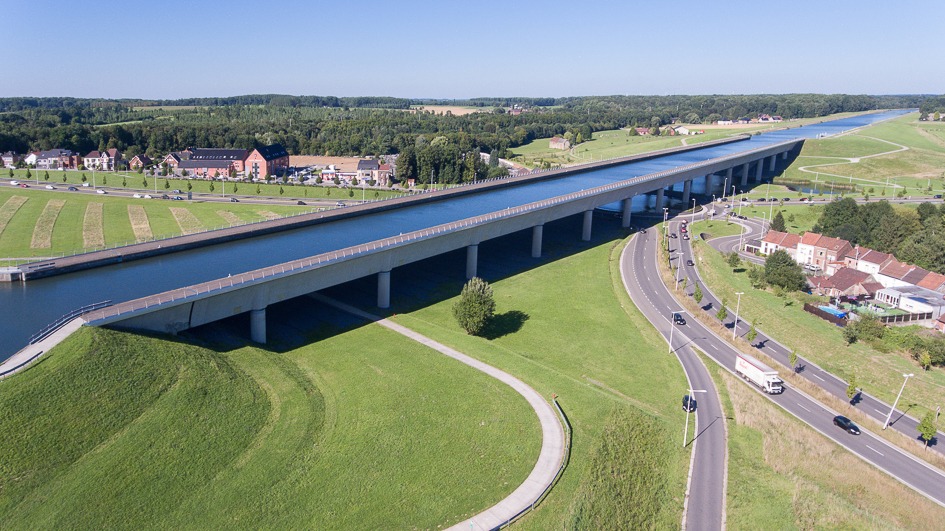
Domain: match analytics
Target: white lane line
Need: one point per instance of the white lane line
(818, 377)
(878, 411)
(713, 345)
(875, 450)
(804, 408)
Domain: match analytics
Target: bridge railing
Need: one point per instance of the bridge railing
(234, 281)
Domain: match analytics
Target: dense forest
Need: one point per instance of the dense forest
(913, 236)
(366, 126)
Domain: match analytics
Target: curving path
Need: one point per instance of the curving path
(704, 505)
(551, 456)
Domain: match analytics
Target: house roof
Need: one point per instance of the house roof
(933, 281)
(93, 155)
(113, 153)
(368, 165)
(196, 164)
(847, 277)
(895, 269)
(833, 244)
(872, 287)
(207, 154)
(142, 158)
(809, 238)
(53, 153)
(784, 240)
(272, 152)
(384, 167)
(873, 257)
(915, 275)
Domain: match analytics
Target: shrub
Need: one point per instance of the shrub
(475, 307)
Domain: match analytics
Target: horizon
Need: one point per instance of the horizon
(550, 48)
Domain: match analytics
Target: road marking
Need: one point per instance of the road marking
(875, 450)
(878, 411)
(804, 408)
(818, 377)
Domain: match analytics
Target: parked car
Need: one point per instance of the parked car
(678, 319)
(73, 189)
(846, 425)
(50, 187)
(688, 404)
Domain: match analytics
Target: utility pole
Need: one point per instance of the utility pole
(889, 416)
(737, 305)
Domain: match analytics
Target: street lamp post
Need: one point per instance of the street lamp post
(672, 328)
(666, 226)
(889, 416)
(737, 305)
(733, 198)
(693, 206)
(686, 433)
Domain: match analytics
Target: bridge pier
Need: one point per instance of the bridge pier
(784, 155)
(472, 259)
(536, 240)
(745, 174)
(625, 212)
(257, 325)
(686, 190)
(659, 199)
(771, 163)
(586, 229)
(383, 289)
(759, 169)
(708, 184)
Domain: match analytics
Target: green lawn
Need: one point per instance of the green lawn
(363, 429)
(67, 238)
(784, 319)
(782, 472)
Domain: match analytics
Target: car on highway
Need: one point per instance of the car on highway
(72, 189)
(86, 185)
(136, 196)
(165, 196)
(340, 204)
(148, 196)
(937, 196)
(175, 191)
(786, 199)
(234, 200)
(846, 425)
(685, 236)
(688, 404)
(672, 235)
(103, 192)
(50, 187)
(14, 183)
(24, 185)
(678, 319)
(300, 202)
(178, 198)
(690, 263)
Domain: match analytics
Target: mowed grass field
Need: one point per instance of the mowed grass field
(913, 170)
(30, 228)
(782, 472)
(784, 319)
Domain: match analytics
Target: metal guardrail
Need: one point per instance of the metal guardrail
(24, 363)
(59, 323)
(402, 239)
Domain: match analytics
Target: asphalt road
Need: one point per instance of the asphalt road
(911, 471)
(867, 404)
(705, 493)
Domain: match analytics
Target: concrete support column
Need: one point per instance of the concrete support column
(744, 175)
(708, 184)
(625, 212)
(659, 199)
(784, 155)
(257, 325)
(536, 240)
(686, 190)
(771, 164)
(759, 169)
(586, 230)
(383, 289)
(472, 259)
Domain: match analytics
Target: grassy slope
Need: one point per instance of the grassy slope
(785, 319)
(251, 438)
(777, 474)
(585, 341)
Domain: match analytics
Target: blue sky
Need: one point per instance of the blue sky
(173, 48)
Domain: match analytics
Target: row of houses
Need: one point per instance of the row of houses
(857, 271)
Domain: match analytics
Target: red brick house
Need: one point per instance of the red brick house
(268, 160)
(139, 161)
(776, 241)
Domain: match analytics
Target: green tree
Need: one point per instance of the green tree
(30, 175)
(236, 188)
(722, 314)
(84, 178)
(697, 294)
(793, 360)
(752, 333)
(167, 184)
(144, 182)
(851, 387)
(190, 186)
(927, 428)
(925, 360)
(212, 188)
(350, 193)
(257, 189)
(778, 222)
(733, 260)
(46, 176)
(355, 181)
(11, 173)
(475, 307)
(124, 181)
(63, 176)
(281, 191)
(781, 270)
(104, 180)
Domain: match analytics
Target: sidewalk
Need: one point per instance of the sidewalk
(31, 353)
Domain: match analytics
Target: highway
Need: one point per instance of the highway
(867, 404)
(910, 470)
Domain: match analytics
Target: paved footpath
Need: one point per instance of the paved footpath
(31, 353)
(552, 432)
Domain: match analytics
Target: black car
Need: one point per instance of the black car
(300, 202)
(688, 404)
(786, 199)
(689, 263)
(846, 425)
(72, 189)
(234, 200)
(678, 319)
(672, 234)
(937, 196)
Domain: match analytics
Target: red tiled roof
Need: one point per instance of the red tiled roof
(93, 155)
(872, 287)
(810, 238)
(774, 237)
(896, 269)
(874, 257)
(847, 277)
(915, 275)
(932, 281)
(784, 240)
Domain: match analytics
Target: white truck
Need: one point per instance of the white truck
(759, 374)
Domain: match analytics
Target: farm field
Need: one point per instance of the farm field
(81, 222)
(455, 110)
(777, 473)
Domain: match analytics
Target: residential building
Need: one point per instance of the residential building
(846, 282)
(268, 160)
(913, 299)
(775, 241)
(893, 274)
(106, 160)
(559, 143)
(9, 159)
(57, 159)
(139, 161)
(934, 282)
(213, 162)
(30, 159)
(818, 250)
(939, 324)
(866, 260)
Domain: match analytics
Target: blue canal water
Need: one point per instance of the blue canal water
(27, 307)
